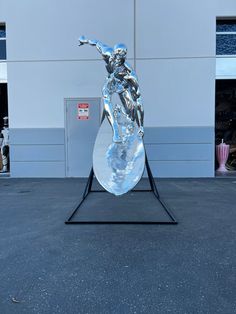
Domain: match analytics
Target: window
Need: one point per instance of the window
(226, 37)
(3, 54)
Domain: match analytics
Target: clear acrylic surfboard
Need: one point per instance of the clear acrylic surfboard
(118, 167)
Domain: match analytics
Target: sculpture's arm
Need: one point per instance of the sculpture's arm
(103, 49)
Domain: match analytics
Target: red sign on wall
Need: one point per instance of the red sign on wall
(83, 111)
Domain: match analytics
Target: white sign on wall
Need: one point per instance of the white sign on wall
(83, 111)
(226, 67)
(3, 72)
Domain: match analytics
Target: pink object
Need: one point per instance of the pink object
(222, 153)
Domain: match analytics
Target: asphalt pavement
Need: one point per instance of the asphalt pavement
(47, 266)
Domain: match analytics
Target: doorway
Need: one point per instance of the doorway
(3, 103)
(225, 119)
(4, 131)
(82, 121)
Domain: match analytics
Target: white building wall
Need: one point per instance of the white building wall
(171, 42)
(45, 63)
(176, 61)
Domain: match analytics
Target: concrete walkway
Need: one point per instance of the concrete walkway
(49, 267)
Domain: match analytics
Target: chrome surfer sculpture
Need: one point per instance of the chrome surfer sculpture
(119, 155)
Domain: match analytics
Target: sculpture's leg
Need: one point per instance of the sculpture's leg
(133, 109)
(110, 116)
(128, 103)
(139, 115)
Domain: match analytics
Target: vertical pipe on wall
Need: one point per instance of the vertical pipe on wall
(135, 35)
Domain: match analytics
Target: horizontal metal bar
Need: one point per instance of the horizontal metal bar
(96, 191)
(226, 33)
(122, 222)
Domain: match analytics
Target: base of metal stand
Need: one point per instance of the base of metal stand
(153, 189)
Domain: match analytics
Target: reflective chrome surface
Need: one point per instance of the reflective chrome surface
(119, 156)
(118, 166)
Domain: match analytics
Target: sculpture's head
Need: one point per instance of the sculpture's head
(119, 53)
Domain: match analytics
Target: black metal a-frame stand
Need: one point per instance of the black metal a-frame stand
(88, 189)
